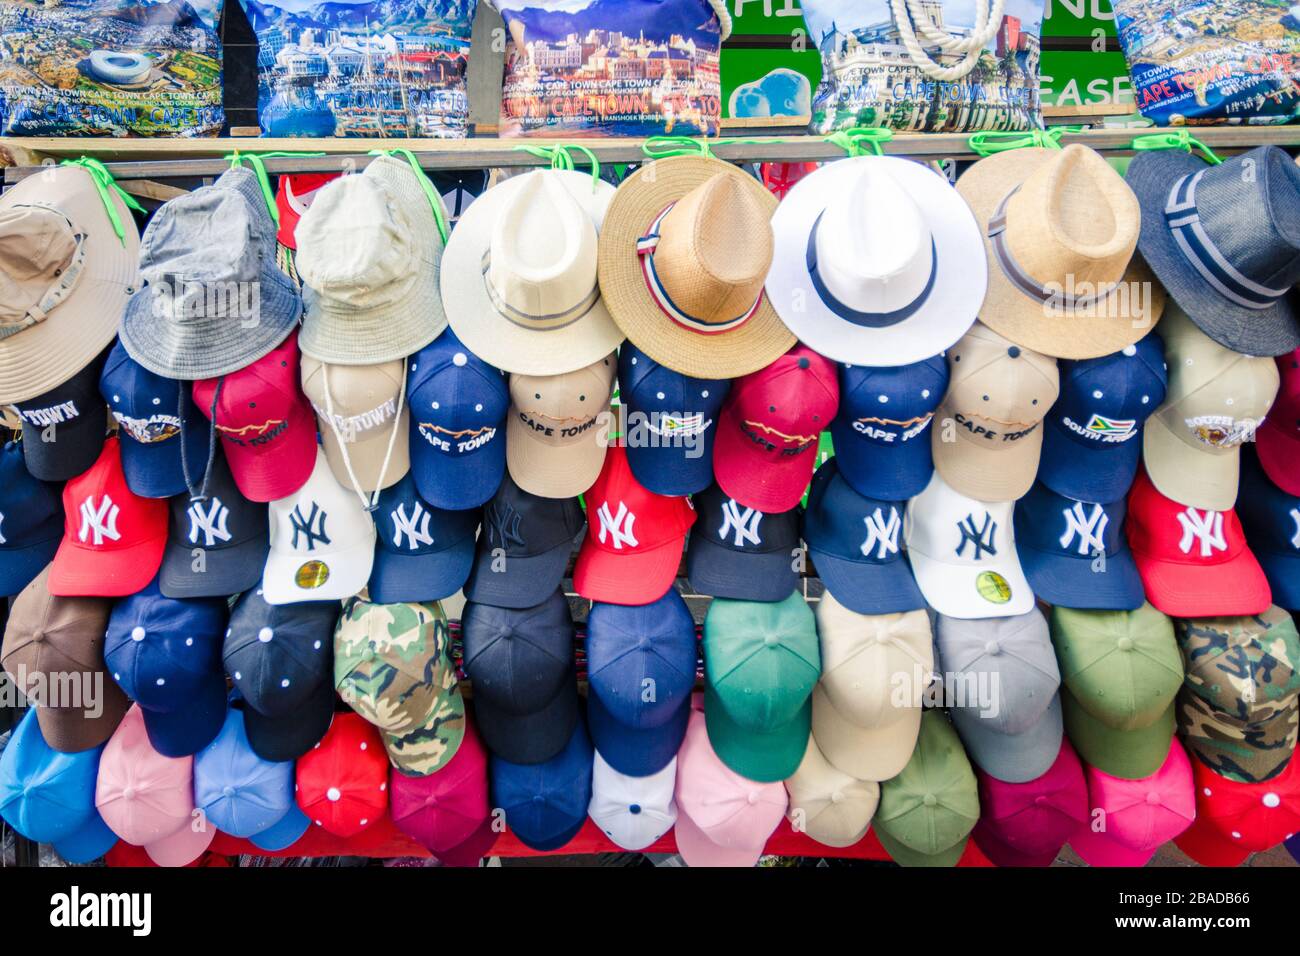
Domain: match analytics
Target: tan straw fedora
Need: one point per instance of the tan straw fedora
(684, 254)
(1060, 227)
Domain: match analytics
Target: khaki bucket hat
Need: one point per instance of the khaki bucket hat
(1060, 228)
(65, 276)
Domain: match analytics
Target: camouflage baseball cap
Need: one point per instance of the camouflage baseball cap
(393, 666)
(1239, 709)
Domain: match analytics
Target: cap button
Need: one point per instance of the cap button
(1040, 800)
(38, 637)
(137, 633)
(634, 809)
(837, 797)
(227, 791)
(771, 640)
(882, 638)
(1125, 643)
(1271, 800)
(332, 794)
(930, 800)
(752, 797)
(538, 799)
(128, 793)
(431, 801)
(1153, 798)
(993, 647)
(804, 363)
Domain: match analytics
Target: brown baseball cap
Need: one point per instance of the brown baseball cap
(54, 651)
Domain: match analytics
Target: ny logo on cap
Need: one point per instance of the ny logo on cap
(212, 523)
(1088, 528)
(313, 526)
(415, 528)
(618, 527)
(882, 534)
(1203, 526)
(503, 525)
(980, 538)
(743, 522)
(98, 522)
(1295, 538)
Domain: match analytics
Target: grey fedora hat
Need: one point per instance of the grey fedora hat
(1225, 242)
(215, 300)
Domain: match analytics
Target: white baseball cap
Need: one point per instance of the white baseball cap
(633, 812)
(322, 542)
(963, 554)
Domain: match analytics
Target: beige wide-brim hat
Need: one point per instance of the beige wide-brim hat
(47, 354)
(639, 201)
(474, 317)
(1076, 190)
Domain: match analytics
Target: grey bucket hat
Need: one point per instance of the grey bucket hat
(369, 251)
(1224, 240)
(215, 301)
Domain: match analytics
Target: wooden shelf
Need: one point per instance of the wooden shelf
(175, 158)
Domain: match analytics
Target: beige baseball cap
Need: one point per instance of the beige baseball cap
(867, 705)
(831, 806)
(989, 435)
(1216, 399)
(555, 439)
(363, 420)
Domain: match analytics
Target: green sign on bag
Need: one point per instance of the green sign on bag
(1078, 18)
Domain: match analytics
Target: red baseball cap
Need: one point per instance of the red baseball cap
(768, 430)
(1026, 824)
(293, 198)
(113, 539)
(1278, 439)
(634, 538)
(343, 780)
(447, 812)
(266, 424)
(1193, 562)
(1235, 819)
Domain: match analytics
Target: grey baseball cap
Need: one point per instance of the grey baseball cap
(1001, 683)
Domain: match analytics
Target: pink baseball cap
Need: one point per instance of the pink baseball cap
(447, 812)
(723, 819)
(1136, 816)
(1277, 440)
(1235, 819)
(148, 799)
(1026, 824)
(342, 782)
(769, 429)
(267, 426)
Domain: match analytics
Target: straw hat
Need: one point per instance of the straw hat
(1060, 227)
(519, 275)
(683, 258)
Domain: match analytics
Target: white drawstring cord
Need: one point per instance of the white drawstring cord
(371, 502)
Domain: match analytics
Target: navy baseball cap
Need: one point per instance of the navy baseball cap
(881, 432)
(422, 552)
(856, 544)
(64, 429)
(1093, 438)
(164, 434)
(458, 414)
(31, 521)
(165, 653)
(546, 803)
(525, 547)
(1271, 520)
(281, 659)
(525, 686)
(1074, 553)
(634, 653)
(240, 793)
(670, 425)
(740, 552)
(216, 545)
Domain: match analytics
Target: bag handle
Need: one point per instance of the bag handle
(911, 19)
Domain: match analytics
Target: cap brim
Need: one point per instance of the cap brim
(1271, 331)
(698, 850)
(266, 473)
(1011, 758)
(1283, 574)
(635, 578)
(523, 582)
(771, 483)
(397, 578)
(84, 572)
(77, 445)
(288, 738)
(866, 753)
(284, 833)
(187, 731)
(881, 472)
(998, 473)
(1232, 588)
(1072, 581)
(1279, 455)
(904, 855)
(183, 847)
(1203, 842)
(69, 730)
(349, 570)
(1097, 472)
(636, 751)
(1201, 479)
(89, 842)
(472, 850)
(739, 575)
(669, 471)
(552, 471)
(20, 566)
(466, 481)
(958, 591)
(868, 588)
(769, 756)
(226, 571)
(154, 469)
(1127, 754)
(1098, 849)
(959, 284)
(528, 738)
(1000, 853)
